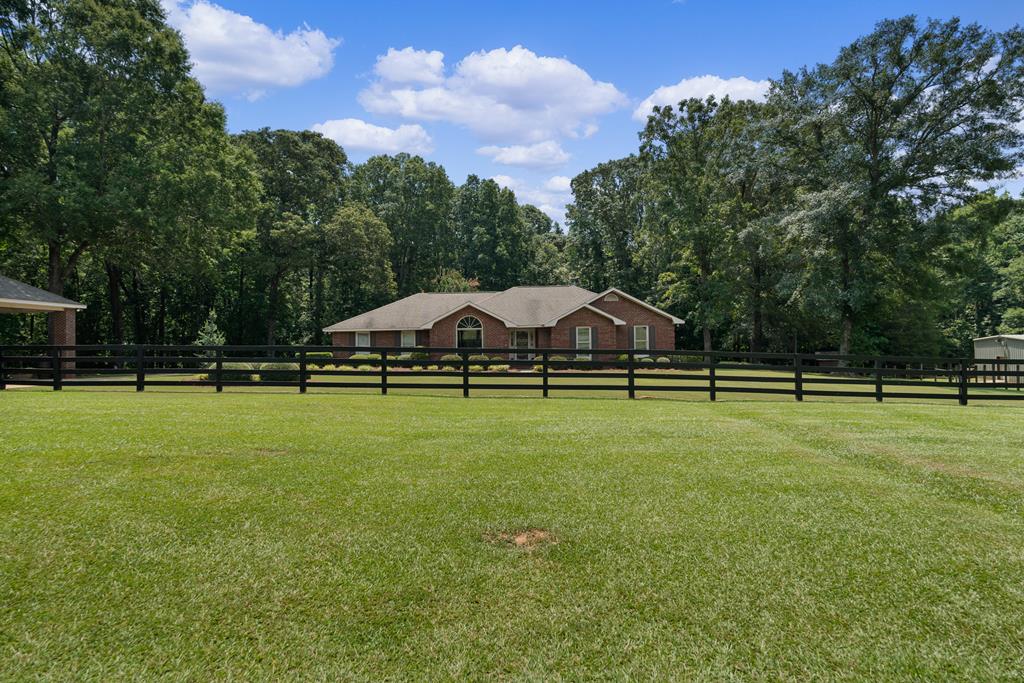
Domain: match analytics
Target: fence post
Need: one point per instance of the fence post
(963, 381)
(3, 380)
(218, 370)
(140, 368)
(798, 377)
(465, 374)
(302, 371)
(712, 392)
(544, 370)
(57, 370)
(384, 372)
(878, 380)
(630, 374)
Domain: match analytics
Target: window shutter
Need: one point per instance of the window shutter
(593, 337)
(575, 337)
(650, 338)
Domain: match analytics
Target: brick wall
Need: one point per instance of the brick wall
(388, 338)
(443, 332)
(635, 314)
(563, 335)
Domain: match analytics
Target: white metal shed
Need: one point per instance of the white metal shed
(1000, 347)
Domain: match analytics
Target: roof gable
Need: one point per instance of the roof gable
(638, 302)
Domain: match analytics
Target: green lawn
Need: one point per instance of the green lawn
(251, 536)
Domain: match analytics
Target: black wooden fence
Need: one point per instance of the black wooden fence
(387, 369)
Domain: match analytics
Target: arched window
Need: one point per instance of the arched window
(469, 333)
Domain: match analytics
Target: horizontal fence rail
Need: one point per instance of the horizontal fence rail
(544, 370)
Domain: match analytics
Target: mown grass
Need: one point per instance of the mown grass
(264, 536)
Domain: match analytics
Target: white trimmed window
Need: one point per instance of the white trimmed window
(362, 338)
(408, 338)
(641, 337)
(469, 333)
(583, 342)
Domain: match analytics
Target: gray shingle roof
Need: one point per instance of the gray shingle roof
(535, 306)
(517, 307)
(16, 291)
(411, 313)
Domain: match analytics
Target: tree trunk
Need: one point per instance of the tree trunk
(139, 309)
(757, 329)
(116, 305)
(844, 341)
(275, 286)
(707, 339)
(55, 269)
(161, 318)
(318, 307)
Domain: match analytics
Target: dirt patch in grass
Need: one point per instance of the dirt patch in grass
(523, 539)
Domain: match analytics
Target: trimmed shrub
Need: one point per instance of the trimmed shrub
(499, 368)
(476, 368)
(647, 359)
(451, 358)
(365, 356)
(479, 357)
(233, 372)
(664, 359)
(279, 372)
(433, 368)
(364, 368)
(319, 354)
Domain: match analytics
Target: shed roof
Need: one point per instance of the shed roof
(18, 296)
(1000, 337)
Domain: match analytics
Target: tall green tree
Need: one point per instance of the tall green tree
(547, 264)
(904, 121)
(89, 91)
(494, 244)
(687, 159)
(303, 177)
(357, 252)
(606, 221)
(414, 199)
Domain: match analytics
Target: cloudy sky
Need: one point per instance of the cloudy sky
(529, 93)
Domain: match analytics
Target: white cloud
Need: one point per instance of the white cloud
(411, 66)
(503, 95)
(547, 154)
(558, 183)
(233, 54)
(550, 199)
(739, 88)
(358, 134)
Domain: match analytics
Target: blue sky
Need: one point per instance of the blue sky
(529, 93)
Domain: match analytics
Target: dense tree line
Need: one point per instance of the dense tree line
(842, 212)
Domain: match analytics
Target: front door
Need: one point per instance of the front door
(522, 339)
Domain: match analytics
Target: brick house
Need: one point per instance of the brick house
(560, 317)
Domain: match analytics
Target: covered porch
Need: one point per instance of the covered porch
(18, 297)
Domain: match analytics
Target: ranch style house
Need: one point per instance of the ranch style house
(558, 317)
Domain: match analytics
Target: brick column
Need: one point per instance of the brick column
(61, 332)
